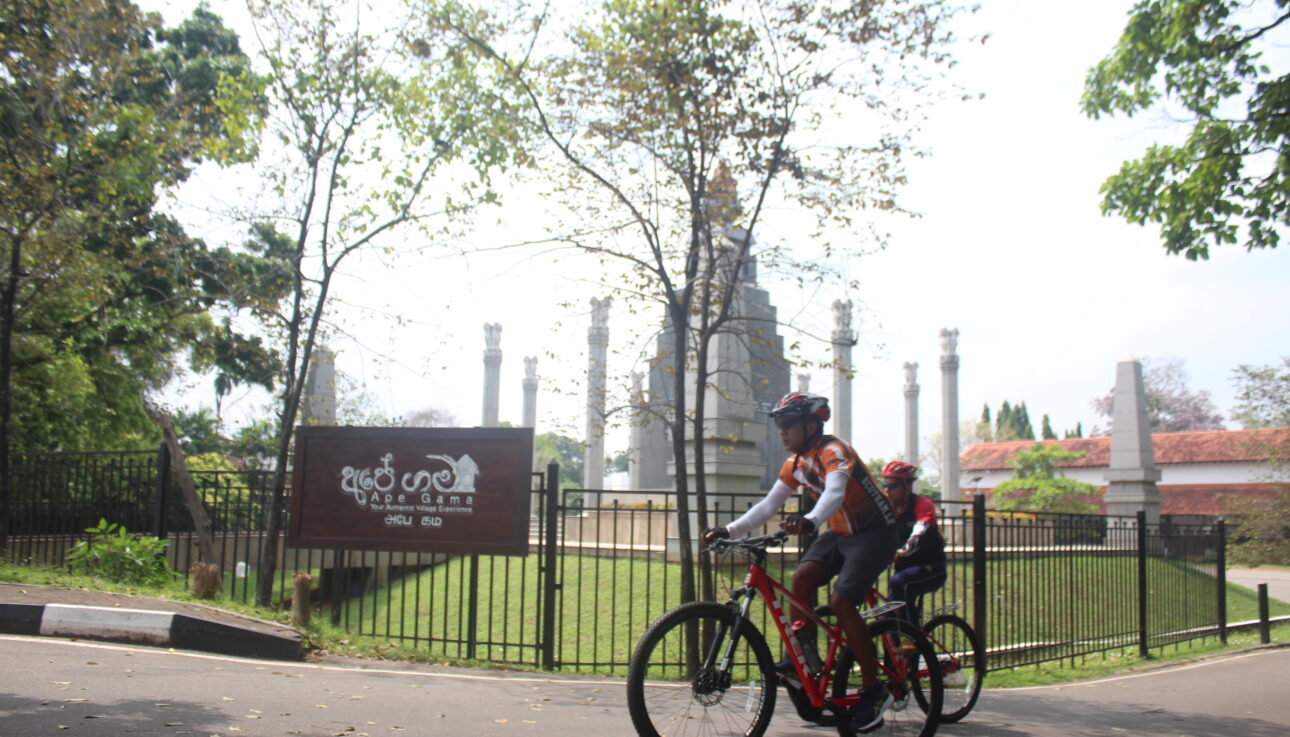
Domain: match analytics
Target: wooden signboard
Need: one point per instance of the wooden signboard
(451, 490)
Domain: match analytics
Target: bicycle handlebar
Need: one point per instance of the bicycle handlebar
(760, 542)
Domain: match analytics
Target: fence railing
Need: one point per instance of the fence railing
(603, 564)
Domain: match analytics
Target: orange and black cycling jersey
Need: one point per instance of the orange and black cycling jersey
(864, 507)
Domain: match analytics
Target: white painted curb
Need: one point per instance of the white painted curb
(135, 625)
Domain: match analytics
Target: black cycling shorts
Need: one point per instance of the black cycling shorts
(857, 560)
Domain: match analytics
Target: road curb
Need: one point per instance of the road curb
(145, 627)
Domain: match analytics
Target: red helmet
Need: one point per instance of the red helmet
(900, 470)
(801, 404)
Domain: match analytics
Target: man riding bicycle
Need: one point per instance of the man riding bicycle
(920, 561)
(860, 541)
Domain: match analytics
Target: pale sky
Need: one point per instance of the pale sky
(1012, 250)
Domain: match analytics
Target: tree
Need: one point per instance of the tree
(430, 417)
(983, 427)
(341, 99)
(1171, 405)
(1205, 57)
(1262, 395)
(199, 431)
(1078, 432)
(1046, 432)
(1038, 486)
(1011, 423)
(564, 450)
(101, 109)
(655, 111)
(1260, 533)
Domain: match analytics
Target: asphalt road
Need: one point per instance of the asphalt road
(1277, 579)
(52, 687)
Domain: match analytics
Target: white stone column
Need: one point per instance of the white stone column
(320, 389)
(911, 413)
(492, 371)
(843, 339)
(1132, 473)
(530, 391)
(804, 383)
(635, 455)
(593, 466)
(951, 487)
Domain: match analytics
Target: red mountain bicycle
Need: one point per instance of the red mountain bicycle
(705, 669)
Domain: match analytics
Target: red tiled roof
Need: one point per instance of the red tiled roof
(1219, 446)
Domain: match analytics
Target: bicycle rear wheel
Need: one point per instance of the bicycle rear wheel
(898, 646)
(962, 661)
(673, 691)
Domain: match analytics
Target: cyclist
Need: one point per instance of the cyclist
(920, 561)
(860, 541)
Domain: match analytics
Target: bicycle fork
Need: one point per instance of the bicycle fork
(727, 658)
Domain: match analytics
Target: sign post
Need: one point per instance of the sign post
(411, 489)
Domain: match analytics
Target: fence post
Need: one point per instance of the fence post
(1222, 580)
(551, 511)
(978, 568)
(1142, 583)
(159, 501)
(472, 609)
(1265, 632)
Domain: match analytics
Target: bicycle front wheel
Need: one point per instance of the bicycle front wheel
(678, 687)
(962, 661)
(899, 648)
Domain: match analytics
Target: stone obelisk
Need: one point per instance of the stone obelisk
(911, 413)
(320, 390)
(1132, 473)
(492, 371)
(530, 391)
(593, 465)
(951, 488)
(843, 339)
(803, 383)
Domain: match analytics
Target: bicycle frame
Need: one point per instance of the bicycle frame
(774, 593)
(759, 582)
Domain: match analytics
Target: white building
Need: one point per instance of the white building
(1197, 469)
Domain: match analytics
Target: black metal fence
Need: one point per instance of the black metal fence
(603, 565)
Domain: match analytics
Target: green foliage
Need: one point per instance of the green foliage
(1260, 530)
(566, 451)
(102, 109)
(115, 555)
(256, 444)
(1011, 423)
(199, 431)
(1262, 395)
(1078, 432)
(1231, 174)
(1037, 484)
(1047, 432)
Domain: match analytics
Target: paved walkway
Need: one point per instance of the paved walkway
(1277, 579)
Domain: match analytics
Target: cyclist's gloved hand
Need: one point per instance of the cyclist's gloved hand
(715, 533)
(798, 524)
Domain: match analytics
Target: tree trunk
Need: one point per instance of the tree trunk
(193, 501)
(7, 301)
(684, 534)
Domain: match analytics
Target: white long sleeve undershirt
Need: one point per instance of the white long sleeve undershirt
(835, 486)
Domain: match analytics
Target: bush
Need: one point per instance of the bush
(1260, 533)
(114, 554)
